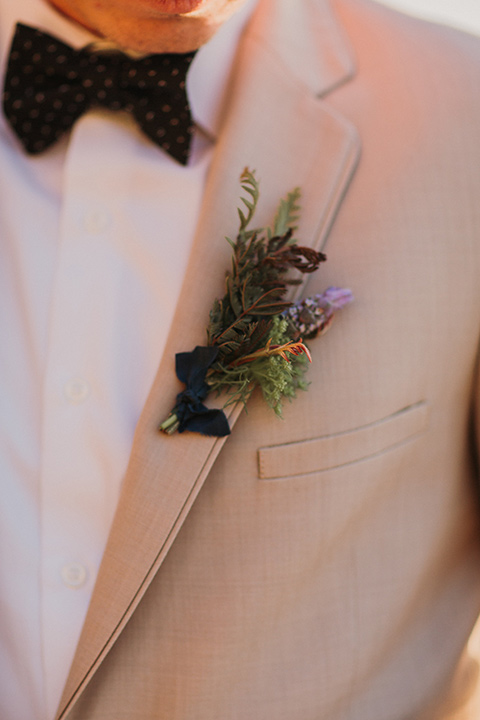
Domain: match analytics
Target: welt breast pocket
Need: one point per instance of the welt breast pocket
(343, 449)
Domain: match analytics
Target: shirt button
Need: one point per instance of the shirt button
(76, 390)
(95, 221)
(74, 575)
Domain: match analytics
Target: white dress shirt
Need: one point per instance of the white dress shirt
(94, 240)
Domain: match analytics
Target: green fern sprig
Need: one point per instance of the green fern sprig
(288, 213)
(249, 185)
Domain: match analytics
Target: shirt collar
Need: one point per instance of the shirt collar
(209, 73)
(211, 70)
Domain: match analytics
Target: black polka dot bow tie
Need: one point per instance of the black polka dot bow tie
(48, 86)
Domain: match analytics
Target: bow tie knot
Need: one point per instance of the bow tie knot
(49, 86)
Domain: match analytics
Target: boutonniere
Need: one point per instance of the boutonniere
(255, 337)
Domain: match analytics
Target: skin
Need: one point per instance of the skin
(151, 26)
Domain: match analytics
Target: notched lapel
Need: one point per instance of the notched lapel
(276, 126)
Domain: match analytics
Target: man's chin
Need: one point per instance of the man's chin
(151, 26)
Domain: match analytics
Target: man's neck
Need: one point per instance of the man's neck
(143, 27)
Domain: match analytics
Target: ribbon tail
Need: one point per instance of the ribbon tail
(207, 422)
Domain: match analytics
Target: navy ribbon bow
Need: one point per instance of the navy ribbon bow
(191, 369)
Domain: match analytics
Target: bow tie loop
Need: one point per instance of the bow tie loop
(49, 85)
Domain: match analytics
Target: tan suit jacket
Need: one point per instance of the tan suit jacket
(327, 566)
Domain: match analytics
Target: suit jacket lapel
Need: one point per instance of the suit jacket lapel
(275, 125)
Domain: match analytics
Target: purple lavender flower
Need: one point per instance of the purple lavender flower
(314, 315)
(334, 298)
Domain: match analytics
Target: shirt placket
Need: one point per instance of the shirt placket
(80, 477)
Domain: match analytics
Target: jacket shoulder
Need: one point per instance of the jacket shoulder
(435, 55)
